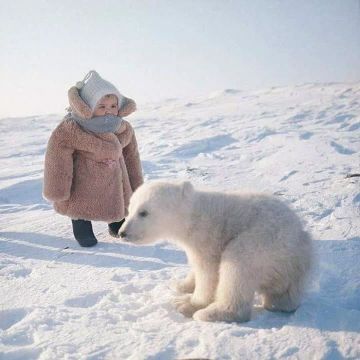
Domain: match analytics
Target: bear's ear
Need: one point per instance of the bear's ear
(187, 189)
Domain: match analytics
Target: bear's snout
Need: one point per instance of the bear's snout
(125, 236)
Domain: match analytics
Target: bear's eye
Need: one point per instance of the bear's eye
(143, 213)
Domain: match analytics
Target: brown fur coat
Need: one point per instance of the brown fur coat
(91, 176)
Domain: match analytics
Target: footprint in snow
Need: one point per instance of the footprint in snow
(300, 116)
(262, 135)
(19, 273)
(354, 127)
(291, 173)
(341, 149)
(207, 145)
(131, 289)
(21, 338)
(13, 270)
(306, 135)
(356, 199)
(324, 214)
(9, 318)
(28, 354)
(86, 300)
(339, 118)
(122, 278)
(289, 352)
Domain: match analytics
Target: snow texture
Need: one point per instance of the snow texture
(113, 301)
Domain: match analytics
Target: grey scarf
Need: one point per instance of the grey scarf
(98, 124)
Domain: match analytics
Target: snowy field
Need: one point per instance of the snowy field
(60, 301)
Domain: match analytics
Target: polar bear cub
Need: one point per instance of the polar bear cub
(236, 243)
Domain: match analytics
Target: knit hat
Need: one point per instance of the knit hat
(94, 87)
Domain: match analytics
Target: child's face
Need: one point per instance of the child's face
(107, 105)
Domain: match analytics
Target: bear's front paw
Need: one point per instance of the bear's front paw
(183, 304)
(206, 315)
(215, 313)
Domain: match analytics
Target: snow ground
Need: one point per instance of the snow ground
(60, 301)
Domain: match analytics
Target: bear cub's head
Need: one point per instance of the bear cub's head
(157, 211)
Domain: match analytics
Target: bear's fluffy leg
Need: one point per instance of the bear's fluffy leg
(206, 271)
(235, 291)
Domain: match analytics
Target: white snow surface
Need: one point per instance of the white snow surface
(114, 301)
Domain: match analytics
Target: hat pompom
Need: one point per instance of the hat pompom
(79, 84)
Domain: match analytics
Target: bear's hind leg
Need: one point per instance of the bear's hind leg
(287, 301)
(284, 290)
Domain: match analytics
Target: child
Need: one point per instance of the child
(92, 164)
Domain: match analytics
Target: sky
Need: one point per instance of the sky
(154, 50)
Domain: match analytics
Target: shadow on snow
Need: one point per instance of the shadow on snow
(57, 249)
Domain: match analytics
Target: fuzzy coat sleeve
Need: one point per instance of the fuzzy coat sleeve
(58, 171)
(132, 161)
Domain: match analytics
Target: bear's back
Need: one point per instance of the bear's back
(230, 214)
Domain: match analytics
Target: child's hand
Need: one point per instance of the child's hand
(128, 108)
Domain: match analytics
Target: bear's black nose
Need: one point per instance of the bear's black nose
(122, 234)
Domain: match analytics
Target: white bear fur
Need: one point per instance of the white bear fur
(236, 243)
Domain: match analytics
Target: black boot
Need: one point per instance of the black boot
(83, 233)
(115, 227)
